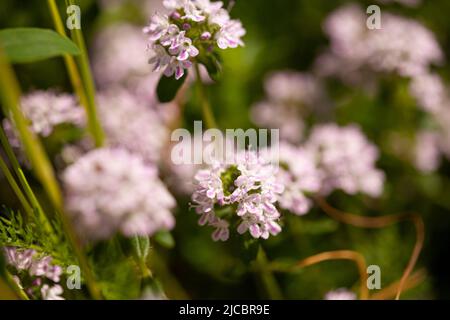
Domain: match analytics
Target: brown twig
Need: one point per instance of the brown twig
(391, 290)
(380, 222)
(354, 256)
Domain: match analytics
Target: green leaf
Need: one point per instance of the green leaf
(165, 239)
(168, 87)
(23, 45)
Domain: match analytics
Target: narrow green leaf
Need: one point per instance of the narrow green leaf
(24, 45)
(165, 239)
(168, 87)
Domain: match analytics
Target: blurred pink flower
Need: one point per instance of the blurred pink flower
(346, 160)
(112, 190)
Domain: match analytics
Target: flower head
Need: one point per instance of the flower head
(245, 191)
(192, 28)
(111, 190)
(346, 160)
(290, 97)
(47, 109)
(130, 124)
(301, 177)
(37, 276)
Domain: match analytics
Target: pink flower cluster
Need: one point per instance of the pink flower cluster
(346, 160)
(41, 276)
(246, 191)
(356, 50)
(111, 190)
(290, 97)
(190, 26)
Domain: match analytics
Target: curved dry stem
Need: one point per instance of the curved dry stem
(391, 291)
(354, 256)
(380, 222)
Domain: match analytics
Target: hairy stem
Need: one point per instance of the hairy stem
(266, 277)
(380, 222)
(208, 114)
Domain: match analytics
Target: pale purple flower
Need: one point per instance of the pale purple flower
(340, 294)
(19, 259)
(250, 185)
(52, 292)
(111, 191)
(393, 48)
(47, 109)
(408, 3)
(430, 92)
(41, 271)
(290, 97)
(178, 37)
(427, 153)
(129, 123)
(230, 34)
(299, 174)
(182, 47)
(346, 160)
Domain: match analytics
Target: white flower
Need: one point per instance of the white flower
(158, 27)
(427, 153)
(112, 190)
(51, 293)
(340, 294)
(230, 34)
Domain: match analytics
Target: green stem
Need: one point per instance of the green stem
(9, 94)
(15, 187)
(42, 217)
(86, 94)
(208, 115)
(266, 277)
(15, 287)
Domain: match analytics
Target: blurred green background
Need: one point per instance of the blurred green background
(287, 34)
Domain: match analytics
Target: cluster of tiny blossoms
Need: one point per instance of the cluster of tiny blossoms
(290, 97)
(37, 276)
(45, 110)
(244, 193)
(111, 190)
(300, 176)
(191, 28)
(355, 49)
(346, 160)
(129, 123)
